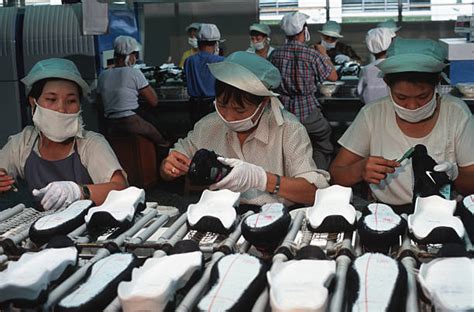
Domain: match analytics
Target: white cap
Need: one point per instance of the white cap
(378, 39)
(292, 23)
(125, 45)
(209, 32)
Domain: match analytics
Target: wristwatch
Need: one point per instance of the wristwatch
(86, 193)
(277, 185)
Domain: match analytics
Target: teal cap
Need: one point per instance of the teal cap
(332, 29)
(193, 26)
(248, 72)
(261, 28)
(390, 23)
(414, 55)
(55, 68)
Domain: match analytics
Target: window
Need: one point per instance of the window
(273, 10)
(348, 11)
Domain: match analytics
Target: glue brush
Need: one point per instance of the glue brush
(407, 155)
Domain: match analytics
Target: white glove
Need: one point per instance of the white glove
(244, 176)
(451, 169)
(341, 58)
(58, 194)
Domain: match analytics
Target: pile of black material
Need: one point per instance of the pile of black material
(427, 181)
(205, 169)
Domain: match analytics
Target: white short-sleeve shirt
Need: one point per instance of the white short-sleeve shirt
(371, 87)
(375, 132)
(119, 88)
(284, 150)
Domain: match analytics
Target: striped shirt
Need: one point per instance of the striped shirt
(301, 69)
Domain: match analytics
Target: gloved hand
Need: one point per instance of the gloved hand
(450, 168)
(341, 59)
(58, 194)
(242, 177)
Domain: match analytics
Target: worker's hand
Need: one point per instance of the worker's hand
(242, 177)
(58, 194)
(6, 181)
(341, 59)
(175, 165)
(375, 169)
(322, 50)
(451, 169)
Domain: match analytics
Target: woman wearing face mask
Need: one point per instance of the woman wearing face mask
(413, 113)
(260, 40)
(269, 150)
(118, 91)
(192, 31)
(339, 52)
(59, 160)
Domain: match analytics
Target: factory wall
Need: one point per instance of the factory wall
(165, 24)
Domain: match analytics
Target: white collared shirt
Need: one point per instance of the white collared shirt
(284, 150)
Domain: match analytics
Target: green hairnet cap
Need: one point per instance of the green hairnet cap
(55, 68)
(390, 23)
(248, 72)
(261, 28)
(414, 55)
(193, 26)
(332, 29)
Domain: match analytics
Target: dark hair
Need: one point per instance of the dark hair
(380, 54)
(240, 96)
(123, 56)
(206, 43)
(257, 33)
(412, 77)
(38, 86)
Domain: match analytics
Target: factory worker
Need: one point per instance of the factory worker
(118, 91)
(338, 51)
(192, 31)
(390, 24)
(200, 82)
(268, 148)
(59, 160)
(302, 68)
(260, 40)
(413, 113)
(371, 86)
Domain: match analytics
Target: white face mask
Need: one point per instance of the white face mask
(415, 115)
(193, 42)
(328, 45)
(307, 36)
(244, 124)
(56, 126)
(258, 45)
(216, 48)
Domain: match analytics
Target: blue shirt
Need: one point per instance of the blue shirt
(200, 81)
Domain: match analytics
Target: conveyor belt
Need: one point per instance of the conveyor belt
(152, 235)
